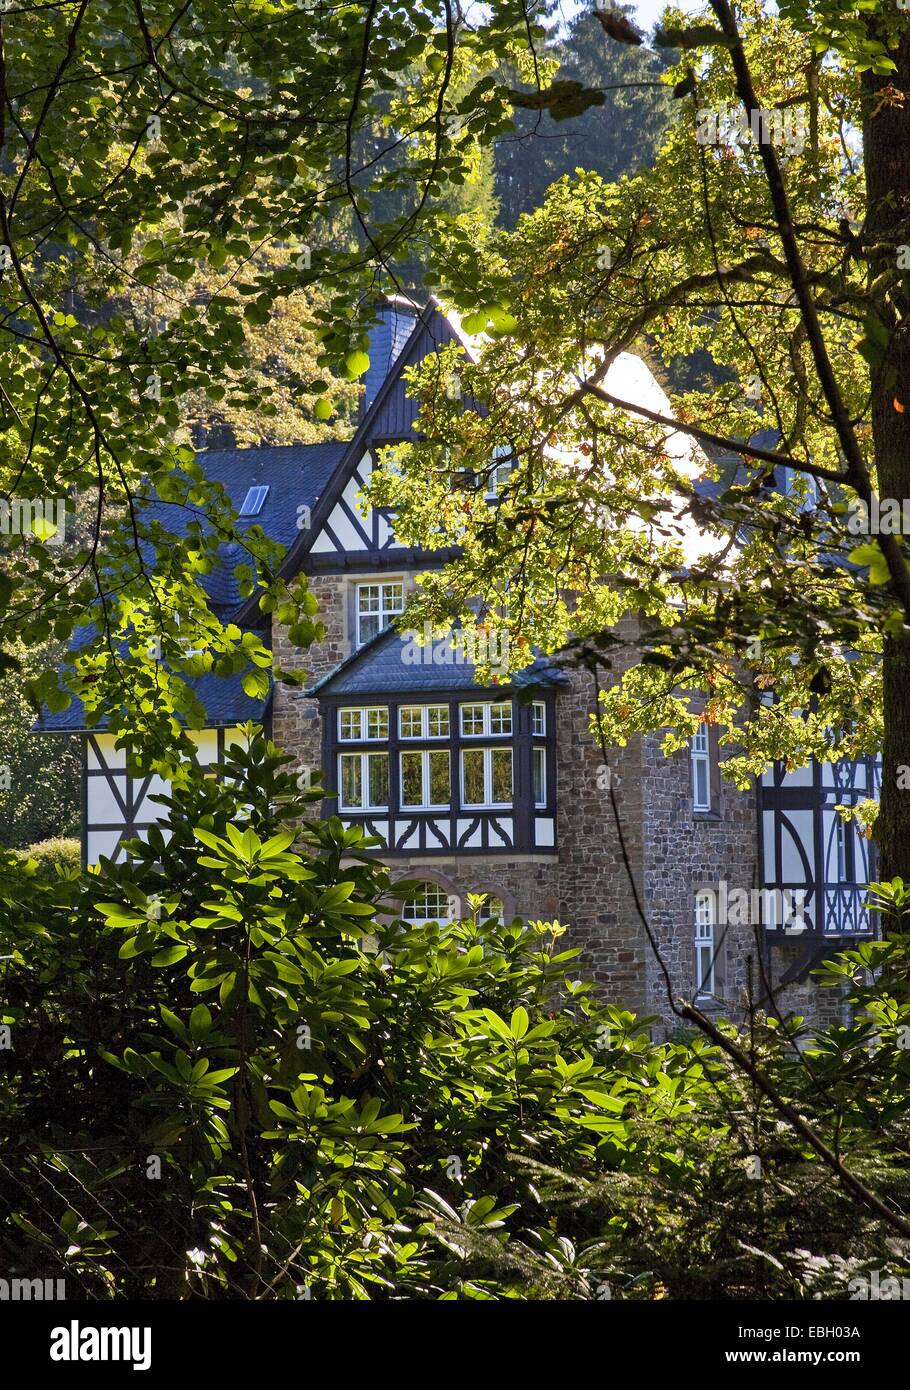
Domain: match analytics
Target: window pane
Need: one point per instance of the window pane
(704, 916)
(431, 905)
(501, 719)
(502, 775)
(349, 724)
(351, 781)
(472, 719)
(702, 798)
(472, 776)
(368, 611)
(700, 739)
(539, 766)
(492, 908)
(438, 721)
(409, 721)
(538, 717)
(411, 780)
(379, 778)
(369, 625)
(377, 723)
(704, 970)
(393, 598)
(439, 778)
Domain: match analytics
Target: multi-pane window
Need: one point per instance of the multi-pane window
(499, 473)
(377, 605)
(486, 776)
(423, 721)
(363, 781)
(539, 775)
(479, 721)
(704, 943)
(432, 904)
(363, 725)
(701, 770)
(491, 909)
(538, 718)
(425, 779)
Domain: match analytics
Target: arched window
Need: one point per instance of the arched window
(432, 904)
(493, 907)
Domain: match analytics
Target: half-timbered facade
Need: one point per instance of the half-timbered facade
(501, 790)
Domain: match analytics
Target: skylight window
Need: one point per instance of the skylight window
(252, 503)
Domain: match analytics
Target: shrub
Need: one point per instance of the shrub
(233, 1071)
(61, 849)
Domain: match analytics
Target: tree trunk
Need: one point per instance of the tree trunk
(887, 166)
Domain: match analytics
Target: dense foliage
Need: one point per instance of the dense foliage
(39, 777)
(234, 1072)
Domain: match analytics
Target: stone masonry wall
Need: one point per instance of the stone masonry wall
(595, 899)
(686, 851)
(296, 726)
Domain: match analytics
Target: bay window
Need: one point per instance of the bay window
(363, 781)
(363, 725)
(484, 720)
(425, 779)
(486, 777)
(423, 721)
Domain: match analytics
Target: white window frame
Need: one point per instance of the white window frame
(705, 945)
(364, 712)
(487, 706)
(539, 758)
(425, 722)
(425, 755)
(700, 753)
(538, 718)
(384, 612)
(486, 804)
(364, 781)
(443, 920)
(500, 472)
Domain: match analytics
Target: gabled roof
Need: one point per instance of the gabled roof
(430, 328)
(391, 664)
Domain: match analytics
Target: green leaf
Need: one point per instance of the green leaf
(519, 1022)
(170, 955)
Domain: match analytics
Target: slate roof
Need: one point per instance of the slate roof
(224, 699)
(397, 318)
(379, 668)
(296, 475)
